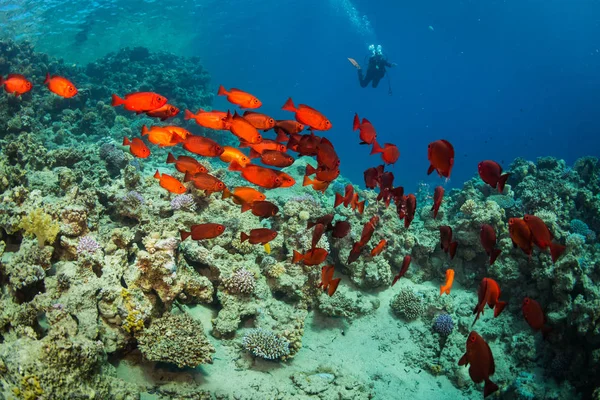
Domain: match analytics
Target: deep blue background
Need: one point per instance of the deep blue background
(500, 79)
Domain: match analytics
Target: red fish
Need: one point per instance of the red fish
(165, 112)
(411, 207)
(159, 135)
(367, 132)
(389, 152)
(368, 230)
(326, 155)
(264, 209)
(60, 86)
(170, 183)
(180, 133)
(202, 146)
(16, 84)
(140, 101)
(357, 205)
(535, 317)
(311, 257)
(257, 149)
(232, 154)
(542, 237)
(203, 231)
(286, 179)
(481, 361)
(324, 220)
(488, 293)
(520, 234)
(186, 164)
(491, 173)
(487, 236)
(319, 186)
(379, 248)
(322, 173)
(318, 231)
(244, 196)
(340, 229)
(259, 121)
(137, 147)
(403, 269)
(288, 126)
(306, 145)
(327, 282)
(441, 157)
(308, 116)
(276, 158)
(438, 195)
(239, 97)
(260, 176)
(243, 129)
(208, 119)
(354, 253)
(346, 198)
(446, 287)
(259, 236)
(446, 241)
(204, 181)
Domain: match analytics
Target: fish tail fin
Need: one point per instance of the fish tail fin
(306, 181)
(494, 255)
(356, 122)
(226, 194)
(244, 237)
(430, 169)
(376, 148)
(499, 307)
(556, 250)
(184, 235)
(489, 387)
(289, 105)
(157, 175)
(339, 199)
(310, 170)
(222, 91)
(360, 206)
(145, 130)
(235, 166)
(246, 206)
(281, 136)
(116, 100)
(170, 158)
(546, 331)
(502, 182)
(310, 224)
(126, 141)
(333, 285)
(452, 249)
(188, 115)
(443, 289)
(297, 257)
(254, 153)
(48, 80)
(187, 177)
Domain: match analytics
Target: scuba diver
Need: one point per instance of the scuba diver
(376, 69)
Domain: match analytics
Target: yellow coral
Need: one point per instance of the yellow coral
(31, 388)
(134, 321)
(276, 270)
(39, 224)
(435, 369)
(468, 207)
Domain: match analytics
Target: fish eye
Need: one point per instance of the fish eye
(259, 137)
(220, 228)
(271, 121)
(70, 88)
(158, 98)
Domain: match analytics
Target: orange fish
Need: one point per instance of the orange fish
(346, 198)
(446, 241)
(542, 237)
(481, 361)
(438, 195)
(367, 132)
(159, 135)
(140, 101)
(266, 144)
(379, 248)
(357, 205)
(202, 146)
(445, 288)
(259, 236)
(16, 84)
(322, 173)
(170, 183)
(403, 269)
(488, 293)
(389, 152)
(208, 119)
(244, 196)
(535, 317)
(311, 257)
(203, 231)
(137, 147)
(491, 173)
(327, 282)
(165, 112)
(441, 157)
(186, 164)
(60, 86)
(263, 209)
(286, 179)
(319, 186)
(308, 116)
(487, 236)
(325, 220)
(243, 129)
(231, 154)
(259, 121)
(260, 176)
(204, 181)
(520, 234)
(180, 132)
(276, 158)
(241, 98)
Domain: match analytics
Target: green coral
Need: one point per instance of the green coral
(41, 225)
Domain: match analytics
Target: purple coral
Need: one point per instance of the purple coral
(183, 202)
(242, 281)
(133, 196)
(443, 324)
(87, 244)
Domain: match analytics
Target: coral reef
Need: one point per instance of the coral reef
(265, 344)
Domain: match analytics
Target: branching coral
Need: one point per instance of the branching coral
(265, 344)
(41, 225)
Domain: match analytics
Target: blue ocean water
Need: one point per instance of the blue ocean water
(499, 79)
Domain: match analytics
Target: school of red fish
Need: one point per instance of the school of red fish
(525, 232)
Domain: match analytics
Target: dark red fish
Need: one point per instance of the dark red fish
(318, 231)
(481, 361)
(341, 229)
(487, 235)
(276, 158)
(322, 173)
(368, 230)
(446, 241)
(354, 253)
(403, 269)
(542, 237)
(311, 257)
(441, 157)
(186, 164)
(264, 209)
(520, 234)
(203, 231)
(438, 195)
(325, 220)
(327, 282)
(202, 146)
(367, 132)
(372, 176)
(411, 207)
(491, 173)
(488, 293)
(346, 198)
(535, 317)
(389, 152)
(326, 155)
(258, 236)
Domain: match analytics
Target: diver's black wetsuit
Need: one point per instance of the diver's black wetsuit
(375, 71)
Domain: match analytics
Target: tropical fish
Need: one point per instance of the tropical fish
(286, 179)
(446, 241)
(322, 173)
(239, 97)
(438, 195)
(346, 198)
(203, 231)
(276, 158)
(446, 287)
(186, 164)
(16, 84)
(326, 154)
(243, 129)
(379, 248)
(520, 234)
(259, 121)
(308, 116)
(341, 229)
(488, 293)
(366, 132)
(257, 149)
(410, 207)
(372, 176)
(288, 126)
(260, 176)
(258, 236)
(319, 186)
(231, 154)
(441, 157)
(354, 253)
(324, 220)
(169, 183)
(481, 361)
(159, 135)
(202, 146)
(306, 145)
(318, 231)
(487, 236)
(359, 206)
(405, 264)
(327, 282)
(535, 317)
(542, 237)
(180, 133)
(491, 173)
(204, 181)
(311, 257)
(140, 102)
(137, 147)
(208, 119)
(165, 112)
(389, 152)
(60, 86)
(264, 209)
(368, 230)
(244, 196)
